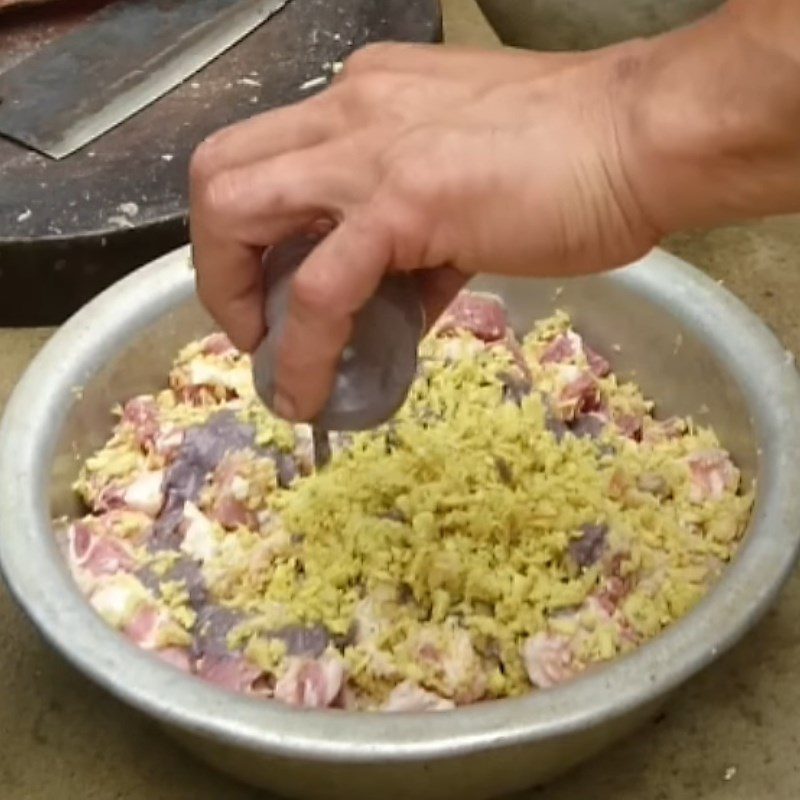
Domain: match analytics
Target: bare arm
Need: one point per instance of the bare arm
(452, 163)
(714, 117)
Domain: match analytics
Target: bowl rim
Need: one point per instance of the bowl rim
(39, 581)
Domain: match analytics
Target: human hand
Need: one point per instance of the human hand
(444, 162)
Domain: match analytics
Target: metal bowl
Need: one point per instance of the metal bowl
(586, 24)
(693, 347)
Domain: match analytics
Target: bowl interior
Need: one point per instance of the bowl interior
(689, 344)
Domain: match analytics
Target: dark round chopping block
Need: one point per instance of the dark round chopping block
(70, 228)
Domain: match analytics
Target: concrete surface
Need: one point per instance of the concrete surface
(731, 734)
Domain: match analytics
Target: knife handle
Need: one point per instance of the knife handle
(379, 363)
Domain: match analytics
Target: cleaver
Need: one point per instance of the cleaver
(123, 58)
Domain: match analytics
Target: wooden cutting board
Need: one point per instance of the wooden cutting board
(70, 228)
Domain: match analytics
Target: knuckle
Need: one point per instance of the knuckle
(313, 295)
(408, 205)
(287, 180)
(371, 88)
(219, 195)
(368, 58)
(205, 162)
(410, 183)
(406, 225)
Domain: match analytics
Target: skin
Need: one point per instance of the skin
(449, 162)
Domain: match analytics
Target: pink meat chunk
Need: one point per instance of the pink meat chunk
(456, 664)
(408, 697)
(108, 497)
(629, 425)
(197, 396)
(612, 594)
(548, 660)
(597, 364)
(218, 344)
(311, 683)
(606, 605)
(562, 349)
(580, 395)
(712, 474)
(484, 316)
(145, 627)
(146, 493)
(232, 672)
(658, 431)
(229, 508)
(232, 513)
(141, 414)
(177, 657)
(566, 347)
(97, 555)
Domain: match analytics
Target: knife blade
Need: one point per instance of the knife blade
(321, 446)
(122, 59)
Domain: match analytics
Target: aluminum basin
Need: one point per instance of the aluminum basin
(691, 345)
(586, 24)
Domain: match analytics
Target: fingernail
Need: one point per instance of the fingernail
(283, 406)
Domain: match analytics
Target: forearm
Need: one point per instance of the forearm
(713, 121)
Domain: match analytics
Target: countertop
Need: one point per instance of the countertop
(730, 734)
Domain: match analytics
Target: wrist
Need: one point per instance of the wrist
(708, 123)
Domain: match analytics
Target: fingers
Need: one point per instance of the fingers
(245, 196)
(252, 203)
(299, 126)
(336, 280)
(230, 285)
(237, 212)
(230, 277)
